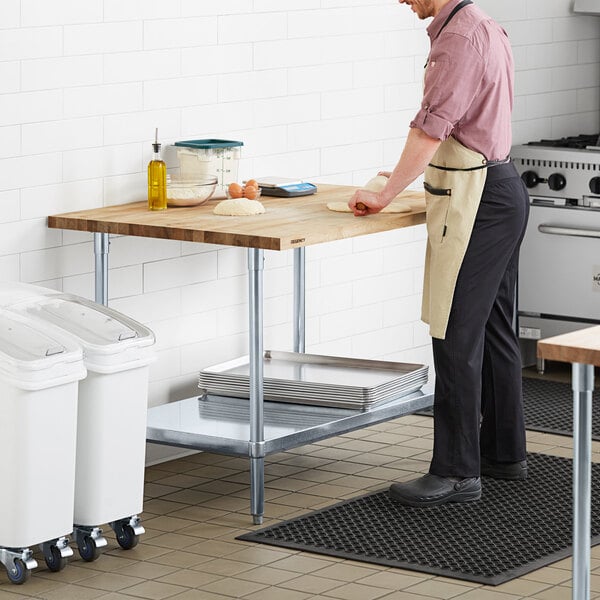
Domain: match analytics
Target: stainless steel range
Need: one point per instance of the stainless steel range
(559, 268)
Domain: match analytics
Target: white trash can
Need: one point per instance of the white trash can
(112, 410)
(39, 370)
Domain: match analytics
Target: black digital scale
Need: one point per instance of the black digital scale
(284, 187)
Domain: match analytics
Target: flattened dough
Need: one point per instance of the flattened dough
(393, 207)
(236, 207)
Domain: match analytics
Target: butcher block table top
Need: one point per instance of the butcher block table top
(287, 222)
(582, 346)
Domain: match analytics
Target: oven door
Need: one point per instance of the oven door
(559, 268)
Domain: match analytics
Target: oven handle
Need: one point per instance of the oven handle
(574, 231)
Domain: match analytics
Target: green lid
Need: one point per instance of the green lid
(210, 143)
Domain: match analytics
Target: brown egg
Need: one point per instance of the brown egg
(250, 192)
(252, 183)
(235, 190)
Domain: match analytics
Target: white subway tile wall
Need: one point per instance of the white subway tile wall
(319, 89)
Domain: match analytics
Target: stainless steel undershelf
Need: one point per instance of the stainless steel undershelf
(221, 424)
(252, 427)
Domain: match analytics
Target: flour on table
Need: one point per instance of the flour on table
(237, 207)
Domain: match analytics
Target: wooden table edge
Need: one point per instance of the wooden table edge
(581, 346)
(114, 220)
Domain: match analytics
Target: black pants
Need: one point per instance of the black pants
(478, 406)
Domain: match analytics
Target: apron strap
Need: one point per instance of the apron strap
(485, 165)
(458, 7)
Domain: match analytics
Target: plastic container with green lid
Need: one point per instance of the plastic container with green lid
(202, 158)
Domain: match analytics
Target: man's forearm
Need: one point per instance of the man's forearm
(417, 154)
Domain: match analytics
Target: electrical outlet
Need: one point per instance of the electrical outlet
(530, 333)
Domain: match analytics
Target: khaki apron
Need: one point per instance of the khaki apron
(454, 182)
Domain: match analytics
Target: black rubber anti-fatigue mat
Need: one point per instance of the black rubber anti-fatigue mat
(516, 527)
(548, 407)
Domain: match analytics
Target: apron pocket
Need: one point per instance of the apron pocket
(437, 206)
(437, 191)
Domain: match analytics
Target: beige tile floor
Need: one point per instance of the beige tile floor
(196, 506)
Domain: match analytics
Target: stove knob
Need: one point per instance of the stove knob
(530, 178)
(595, 185)
(557, 182)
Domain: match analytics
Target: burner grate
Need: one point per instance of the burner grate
(580, 142)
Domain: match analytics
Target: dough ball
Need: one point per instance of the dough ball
(393, 207)
(236, 207)
(376, 184)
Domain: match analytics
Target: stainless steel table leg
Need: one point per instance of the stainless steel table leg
(257, 430)
(299, 299)
(583, 386)
(101, 243)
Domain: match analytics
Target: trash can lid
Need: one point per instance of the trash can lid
(93, 323)
(111, 340)
(34, 355)
(103, 332)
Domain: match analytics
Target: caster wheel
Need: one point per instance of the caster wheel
(54, 560)
(88, 549)
(126, 537)
(19, 573)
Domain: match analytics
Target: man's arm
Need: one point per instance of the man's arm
(417, 153)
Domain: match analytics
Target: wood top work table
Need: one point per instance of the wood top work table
(288, 223)
(582, 349)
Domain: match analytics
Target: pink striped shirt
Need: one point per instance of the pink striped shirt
(469, 81)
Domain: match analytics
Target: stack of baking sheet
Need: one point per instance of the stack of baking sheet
(320, 380)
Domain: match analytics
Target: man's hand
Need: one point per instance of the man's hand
(364, 203)
(417, 153)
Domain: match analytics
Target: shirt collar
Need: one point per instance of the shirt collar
(438, 21)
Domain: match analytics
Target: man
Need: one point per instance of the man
(477, 209)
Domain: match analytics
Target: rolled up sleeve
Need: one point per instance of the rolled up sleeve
(452, 79)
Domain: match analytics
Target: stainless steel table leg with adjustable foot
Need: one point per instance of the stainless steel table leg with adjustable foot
(583, 387)
(257, 429)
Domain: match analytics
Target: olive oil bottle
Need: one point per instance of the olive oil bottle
(157, 179)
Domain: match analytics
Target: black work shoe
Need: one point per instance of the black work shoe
(497, 470)
(430, 490)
